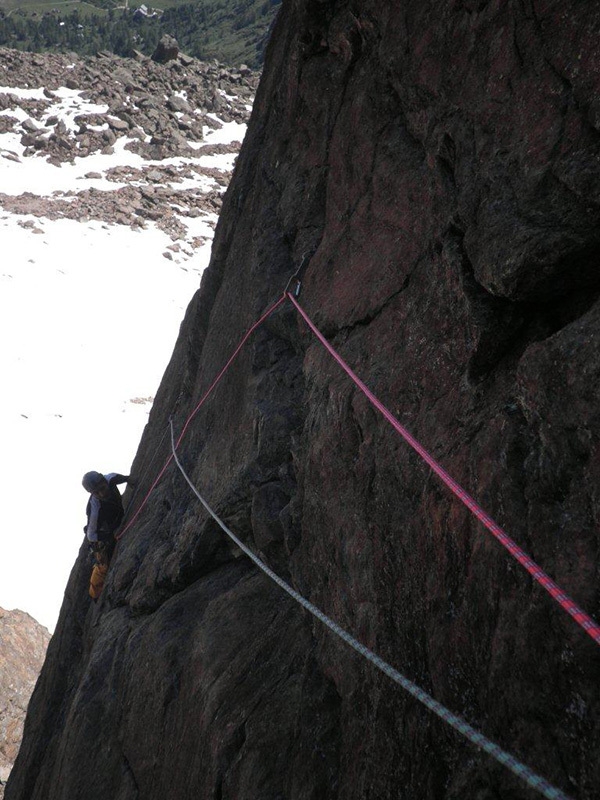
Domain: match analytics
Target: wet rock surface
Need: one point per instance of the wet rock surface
(438, 165)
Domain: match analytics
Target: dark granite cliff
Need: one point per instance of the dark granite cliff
(440, 162)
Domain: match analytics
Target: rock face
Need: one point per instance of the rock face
(23, 643)
(438, 165)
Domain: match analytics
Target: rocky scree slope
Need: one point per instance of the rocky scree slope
(23, 643)
(159, 111)
(438, 163)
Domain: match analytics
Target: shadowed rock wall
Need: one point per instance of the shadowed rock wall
(439, 162)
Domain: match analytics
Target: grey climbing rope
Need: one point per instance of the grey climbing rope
(478, 739)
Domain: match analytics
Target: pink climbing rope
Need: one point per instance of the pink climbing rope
(589, 625)
(205, 396)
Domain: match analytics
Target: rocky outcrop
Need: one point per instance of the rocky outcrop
(166, 50)
(438, 165)
(23, 643)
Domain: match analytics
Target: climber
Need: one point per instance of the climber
(104, 514)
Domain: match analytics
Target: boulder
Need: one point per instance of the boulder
(178, 103)
(166, 50)
(30, 126)
(24, 642)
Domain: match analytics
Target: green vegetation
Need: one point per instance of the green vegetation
(232, 31)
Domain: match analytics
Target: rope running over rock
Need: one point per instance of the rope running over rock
(589, 625)
(478, 739)
(204, 397)
(584, 620)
